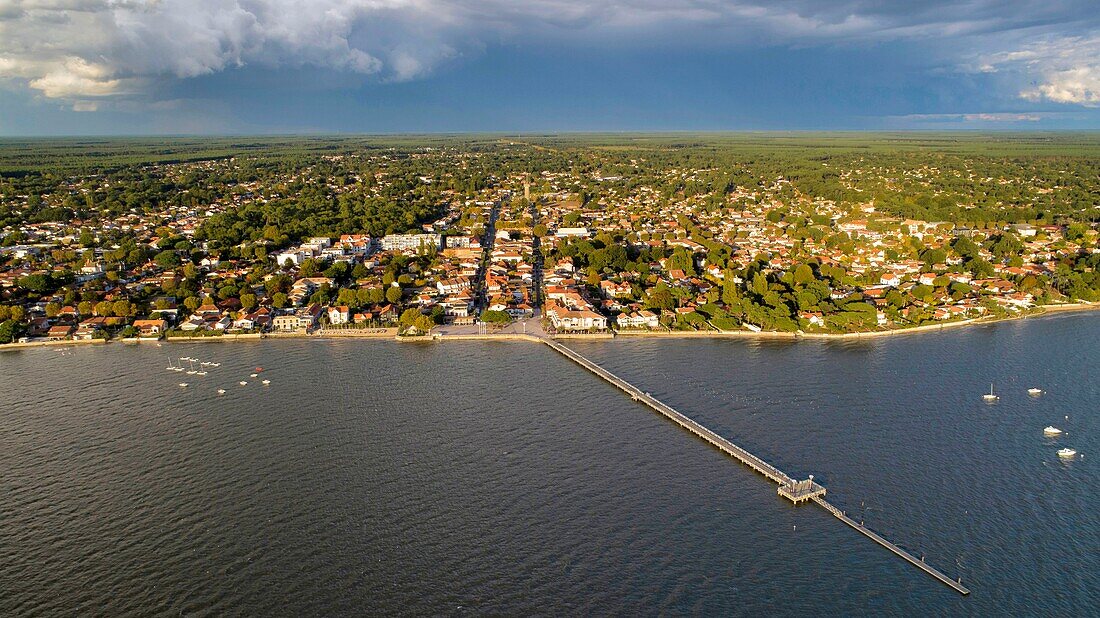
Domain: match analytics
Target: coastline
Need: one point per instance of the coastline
(391, 333)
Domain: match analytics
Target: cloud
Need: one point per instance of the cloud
(1062, 69)
(977, 117)
(96, 50)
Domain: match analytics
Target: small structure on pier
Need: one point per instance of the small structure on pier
(801, 491)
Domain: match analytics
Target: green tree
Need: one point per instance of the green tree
(393, 294)
(7, 331)
(167, 259)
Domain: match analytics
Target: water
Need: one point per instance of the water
(373, 477)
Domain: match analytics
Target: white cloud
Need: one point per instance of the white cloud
(978, 117)
(1062, 69)
(1080, 85)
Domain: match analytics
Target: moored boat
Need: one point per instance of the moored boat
(990, 396)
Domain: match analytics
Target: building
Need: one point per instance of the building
(151, 327)
(411, 242)
(571, 232)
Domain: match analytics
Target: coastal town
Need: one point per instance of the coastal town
(599, 245)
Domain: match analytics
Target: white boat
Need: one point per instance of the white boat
(266, 382)
(1051, 430)
(253, 375)
(1034, 392)
(1067, 453)
(200, 373)
(183, 384)
(215, 364)
(221, 391)
(242, 383)
(990, 396)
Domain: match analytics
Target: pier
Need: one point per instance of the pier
(797, 491)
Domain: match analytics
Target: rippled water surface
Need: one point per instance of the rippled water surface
(373, 477)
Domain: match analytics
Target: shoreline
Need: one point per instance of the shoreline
(391, 333)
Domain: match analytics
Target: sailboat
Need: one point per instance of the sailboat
(990, 396)
(191, 371)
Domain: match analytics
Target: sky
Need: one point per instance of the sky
(95, 67)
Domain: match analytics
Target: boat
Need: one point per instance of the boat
(242, 383)
(253, 375)
(990, 396)
(1067, 453)
(1034, 392)
(1051, 430)
(266, 382)
(182, 384)
(215, 364)
(200, 373)
(221, 391)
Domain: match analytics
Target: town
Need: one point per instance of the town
(577, 239)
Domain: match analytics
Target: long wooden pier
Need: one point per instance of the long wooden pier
(796, 491)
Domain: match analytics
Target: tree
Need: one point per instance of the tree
(123, 308)
(167, 259)
(53, 309)
(279, 300)
(661, 298)
(803, 274)
(495, 317)
(539, 230)
(39, 283)
(7, 331)
(394, 294)
(309, 268)
(248, 302)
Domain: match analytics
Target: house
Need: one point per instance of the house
(610, 289)
(813, 317)
(88, 328)
(570, 319)
(151, 327)
(454, 285)
(60, 332)
(640, 319)
(285, 323)
(339, 315)
(308, 316)
(890, 279)
(386, 313)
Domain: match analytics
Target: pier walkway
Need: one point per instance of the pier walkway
(796, 491)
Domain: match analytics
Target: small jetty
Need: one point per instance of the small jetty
(797, 491)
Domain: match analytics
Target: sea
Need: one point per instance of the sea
(377, 478)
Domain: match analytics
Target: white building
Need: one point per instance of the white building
(410, 242)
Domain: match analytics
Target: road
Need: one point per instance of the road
(480, 297)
